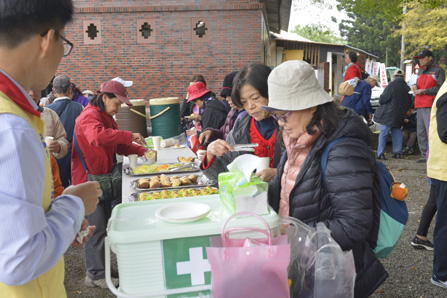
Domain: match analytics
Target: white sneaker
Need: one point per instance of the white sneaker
(100, 283)
(437, 282)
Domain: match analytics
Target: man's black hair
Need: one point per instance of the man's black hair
(22, 19)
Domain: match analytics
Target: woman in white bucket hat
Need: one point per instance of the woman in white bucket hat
(346, 198)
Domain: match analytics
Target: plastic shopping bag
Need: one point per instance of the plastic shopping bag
(249, 269)
(318, 266)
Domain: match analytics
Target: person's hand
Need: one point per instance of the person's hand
(406, 120)
(191, 132)
(414, 88)
(196, 117)
(217, 148)
(54, 147)
(204, 136)
(419, 92)
(84, 226)
(138, 138)
(88, 192)
(267, 175)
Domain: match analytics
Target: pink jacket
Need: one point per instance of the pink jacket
(99, 139)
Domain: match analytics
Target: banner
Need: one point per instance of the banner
(375, 68)
(382, 75)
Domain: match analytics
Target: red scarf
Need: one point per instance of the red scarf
(16, 95)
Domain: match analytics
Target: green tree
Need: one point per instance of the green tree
(425, 28)
(374, 33)
(318, 33)
(391, 9)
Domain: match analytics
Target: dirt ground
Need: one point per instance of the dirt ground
(409, 269)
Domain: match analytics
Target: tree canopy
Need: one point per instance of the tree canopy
(425, 28)
(374, 33)
(318, 33)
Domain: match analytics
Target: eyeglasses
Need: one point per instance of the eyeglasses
(282, 118)
(68, 46)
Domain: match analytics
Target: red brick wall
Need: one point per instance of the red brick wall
(163, 66)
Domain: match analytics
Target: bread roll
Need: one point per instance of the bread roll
(143, 183)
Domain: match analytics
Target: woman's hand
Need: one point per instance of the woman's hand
(191, 132)
(88, 192)
(267, 175)
(204, 136)
(196, 117)
(138, 138)
(217, 148)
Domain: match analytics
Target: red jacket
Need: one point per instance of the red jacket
(353, 71)
(99, 139)
(431, 79)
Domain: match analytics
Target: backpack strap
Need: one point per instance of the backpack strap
(325, 154)
(81, 157)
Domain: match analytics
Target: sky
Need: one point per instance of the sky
(304, 12)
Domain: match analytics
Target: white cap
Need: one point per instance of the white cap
(125, 83)
(293, 87)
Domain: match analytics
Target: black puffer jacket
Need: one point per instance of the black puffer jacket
(394, 103)
(346, 202)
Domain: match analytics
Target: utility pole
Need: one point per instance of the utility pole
(402, 46)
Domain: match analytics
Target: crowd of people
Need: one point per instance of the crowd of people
(54, 190)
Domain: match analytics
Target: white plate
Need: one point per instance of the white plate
(183, 212)
(181, 146)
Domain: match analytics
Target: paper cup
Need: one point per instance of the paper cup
(168, 143)
(48, 140)
(201, 154)
(156, 141)
(133, 160)
(264, 163)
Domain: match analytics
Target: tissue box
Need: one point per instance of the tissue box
(240, 195)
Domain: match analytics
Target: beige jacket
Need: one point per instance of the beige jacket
(55, 129)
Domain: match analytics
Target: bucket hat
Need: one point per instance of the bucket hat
(228, 84)
(116, 88)
(293, 87)
(125, 83)
(196, 90)
(376, 78)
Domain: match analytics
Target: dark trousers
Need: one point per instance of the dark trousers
(64, 165)
(440, 231)
(94, 248)
(409, 138)
(427, 213)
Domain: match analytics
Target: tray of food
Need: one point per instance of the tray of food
(157, 168)
(165, 182)
(170, 194)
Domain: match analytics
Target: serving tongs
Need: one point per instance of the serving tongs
(245, 147)
(186, 165)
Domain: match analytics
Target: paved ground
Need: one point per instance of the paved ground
(409, 269)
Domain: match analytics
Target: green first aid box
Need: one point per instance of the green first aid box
(158, 258)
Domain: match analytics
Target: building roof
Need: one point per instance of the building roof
(278, 14)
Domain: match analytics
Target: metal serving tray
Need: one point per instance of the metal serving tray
(202, 180)
(191, 167)
(134, 197)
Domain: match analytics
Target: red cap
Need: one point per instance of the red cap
(117, 89)
(196, 90)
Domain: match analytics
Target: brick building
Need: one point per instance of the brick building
(160, 45)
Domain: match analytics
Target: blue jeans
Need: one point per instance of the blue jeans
(440, 231)
(396, 138)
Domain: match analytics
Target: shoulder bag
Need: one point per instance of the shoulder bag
(110, 183)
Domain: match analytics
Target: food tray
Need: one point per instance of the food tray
(134, 197)
(193, 168)
(202, 180)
